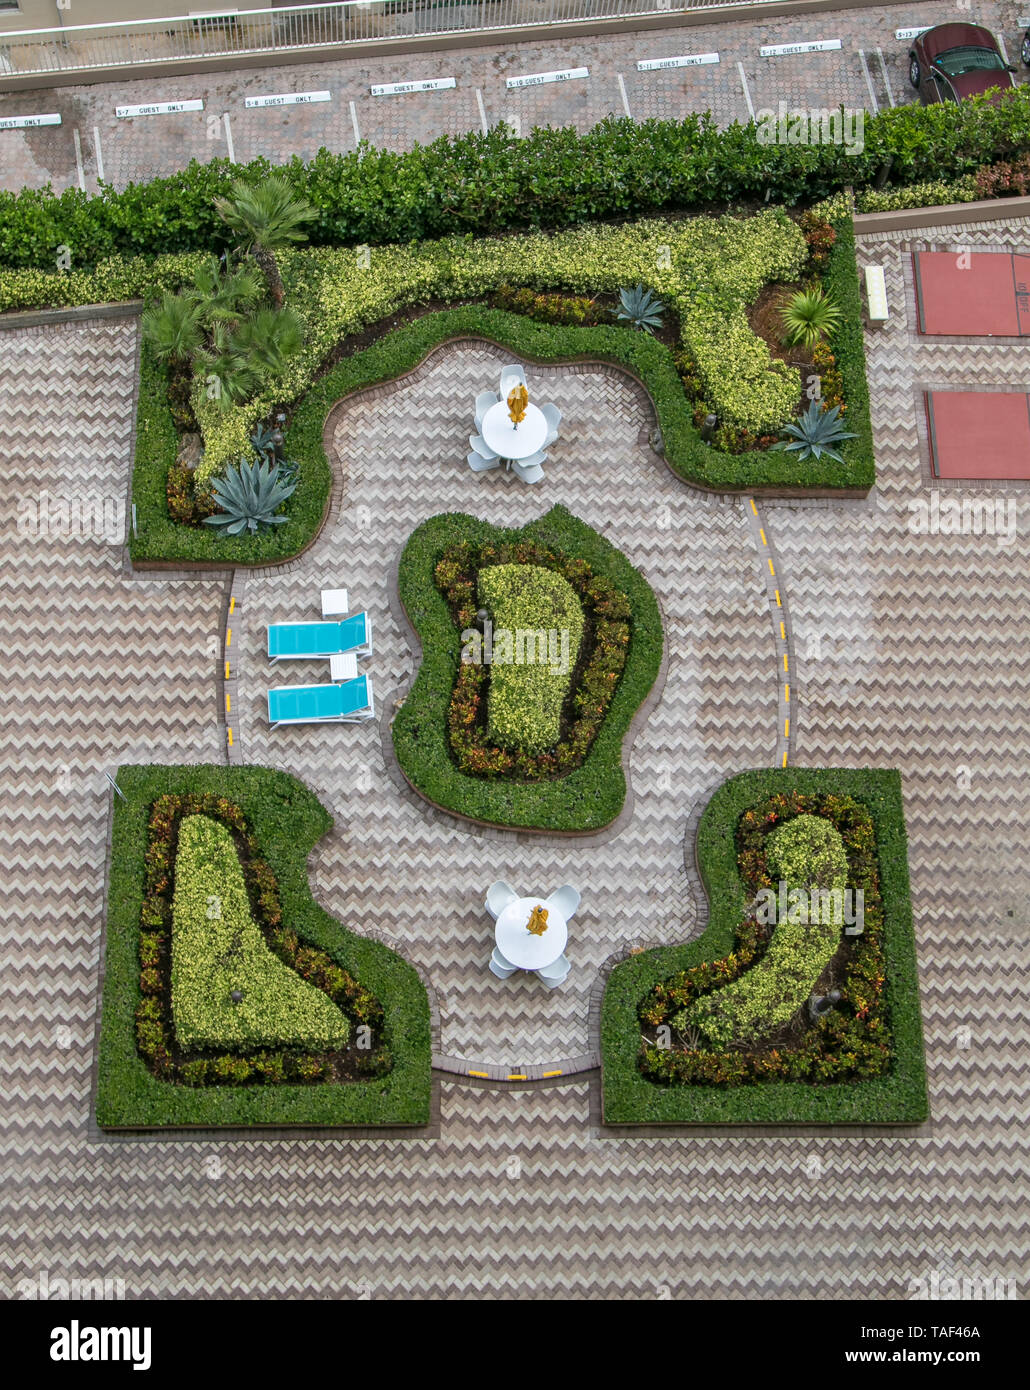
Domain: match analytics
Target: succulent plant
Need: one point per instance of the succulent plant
(249, 495)
(641, 309)
(815, 432)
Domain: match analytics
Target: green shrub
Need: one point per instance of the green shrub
(965, 189)
(855, 1086)
(483, 184)
(804, 852)
(528, 689)
(286, 822)
(591, 795)
(217, 948)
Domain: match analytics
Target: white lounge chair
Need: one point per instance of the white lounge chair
(350, 703)
(498, 896)
(564, 900)
(552, 415)
(555, 974)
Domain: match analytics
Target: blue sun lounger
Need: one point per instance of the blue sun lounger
(349, 703)
(295, 641)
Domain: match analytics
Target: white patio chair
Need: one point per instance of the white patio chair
(479, 464)
(498, 896)
(501, 967)
(511, 376)
(564, 900)
(530, 470)
(555, 974)
(481, 447)
(484, 401)
(552, 415)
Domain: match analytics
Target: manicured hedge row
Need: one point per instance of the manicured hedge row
(159, 538)
(592, 795)
(848, 345)
(489, 183)
(287, 821)
(897, 1098)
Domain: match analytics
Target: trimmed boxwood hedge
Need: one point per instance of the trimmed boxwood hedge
(592, 795)
(287, 820)
(897, 1098)
(482, 184)
(159, 538)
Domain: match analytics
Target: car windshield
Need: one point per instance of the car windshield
(959, 60)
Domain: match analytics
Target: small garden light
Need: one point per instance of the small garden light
(237, 996)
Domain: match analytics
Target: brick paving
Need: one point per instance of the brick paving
(912, 651)
(143, 147)
(421, 880)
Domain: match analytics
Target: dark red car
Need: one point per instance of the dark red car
(953, 61)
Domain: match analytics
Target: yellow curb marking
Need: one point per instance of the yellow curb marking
(785, 666)
(753, 507)
(518, 1076)
(228, 636)
(771, 570)
(783, 631)
(784, 763)
(226, 670)
(786, 694)
(228, 706)
(230, 737)
(232, 602)
(779, 601)
(786, 728)
(484, 1074)
(553, 1073)
(761, 532)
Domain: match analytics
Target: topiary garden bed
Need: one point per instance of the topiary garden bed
(725, 1030)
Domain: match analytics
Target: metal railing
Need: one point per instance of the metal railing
(185, 38)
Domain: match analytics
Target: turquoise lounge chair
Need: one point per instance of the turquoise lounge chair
(294, 641)
(349, 703)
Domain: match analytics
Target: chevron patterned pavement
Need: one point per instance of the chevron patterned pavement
(421, 882)
(522, 1195)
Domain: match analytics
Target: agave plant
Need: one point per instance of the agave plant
(809, 316)
(814, 433)
(249, 496)
(266, 217)
(641, 308)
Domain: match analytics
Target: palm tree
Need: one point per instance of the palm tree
(266, 217)
(226, 294)
(173, 330)
(229, 368)
(268, 338)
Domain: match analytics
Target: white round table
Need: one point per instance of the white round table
(507, 441)
(521, 947)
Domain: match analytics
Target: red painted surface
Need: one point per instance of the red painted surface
(973, 295)
(979, 434)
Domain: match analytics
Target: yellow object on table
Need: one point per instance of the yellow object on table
(518, 399)
(537, 923)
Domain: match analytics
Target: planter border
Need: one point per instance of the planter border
(591, 773)
(897, 1099)
(128, 1097)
